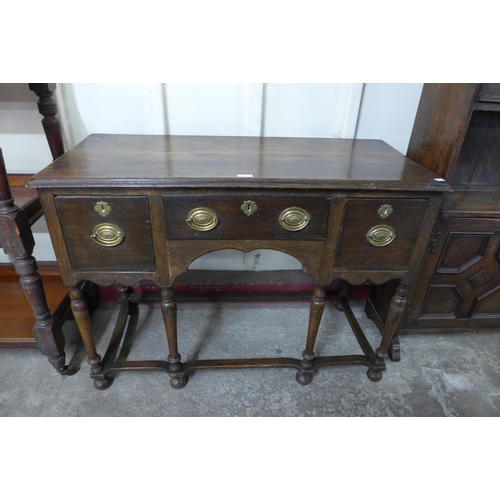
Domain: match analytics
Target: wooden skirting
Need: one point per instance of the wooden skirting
(16, 316)
(203, 284)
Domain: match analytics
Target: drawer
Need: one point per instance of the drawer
(107, 233)
(396, 233)
(489, 92)
(239, 218)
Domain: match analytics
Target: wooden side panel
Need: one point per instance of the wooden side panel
(440, 125)
(471, 148)
(460, 280)
(16, 316)
(487, 167)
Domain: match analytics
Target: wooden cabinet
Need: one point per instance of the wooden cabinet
(457, 135)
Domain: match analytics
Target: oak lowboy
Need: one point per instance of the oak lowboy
(131, 208)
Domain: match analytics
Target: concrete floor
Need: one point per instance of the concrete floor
(439, 375)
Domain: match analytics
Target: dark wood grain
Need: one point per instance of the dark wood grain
(47, 107)
(152, 183)
(316, 308)
(16, 240)
(158, 161)
(130, 214)
(459, 276)
(16, 325)
(457, 135)
(472, 145)
(235, 224)
(472, 204)
(361, 215)
(486, 169)
(440, 125)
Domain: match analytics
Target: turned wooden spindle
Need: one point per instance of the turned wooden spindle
(396, 309)
(169, 312)
(17, 241)
(47, 107)
(82, 318)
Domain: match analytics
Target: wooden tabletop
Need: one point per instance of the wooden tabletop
(103, 160)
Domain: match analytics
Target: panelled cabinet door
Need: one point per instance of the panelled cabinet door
(461, 279)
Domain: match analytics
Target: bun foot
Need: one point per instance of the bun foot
(395, 349)
(304, 378)
(59, 363)
(103, 383)
(179, 382)
(69, 370)
(338, 305)
(374, 376)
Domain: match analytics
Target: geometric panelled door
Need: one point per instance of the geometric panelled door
(466, 283)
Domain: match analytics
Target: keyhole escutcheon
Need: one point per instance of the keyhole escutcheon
(249, 207)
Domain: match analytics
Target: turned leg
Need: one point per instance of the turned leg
(47, 330)
(305, 375)
(82, 318)
(394, 315)
(47, 107)
(169, 311)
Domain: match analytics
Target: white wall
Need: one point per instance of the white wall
(125, 108)
(388, 112)
(22, 139)
(283, 110)
(376, 111)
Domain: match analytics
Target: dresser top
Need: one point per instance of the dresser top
(104, 160)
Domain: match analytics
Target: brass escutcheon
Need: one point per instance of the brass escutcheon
(294, 219)
(249, 207)
(107, 235)
(384, 211)
(102, 208)
(380, 236)
(202, 219)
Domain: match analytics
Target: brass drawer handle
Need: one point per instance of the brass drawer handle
(380, 236)
(294, 219)
(202, 219)
(107, 235)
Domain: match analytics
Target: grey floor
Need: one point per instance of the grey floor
(439, 375)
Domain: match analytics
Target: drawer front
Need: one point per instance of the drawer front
(489, 92)
(379, 234)
(238, 218)
(107, 233)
